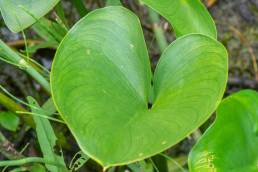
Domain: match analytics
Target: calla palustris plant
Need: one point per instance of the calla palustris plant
(101, 83)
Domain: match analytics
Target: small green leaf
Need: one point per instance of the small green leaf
(46, 137)
(18, 15)
(9, 120)
(186, 16)
(101, 81)
(231, 143)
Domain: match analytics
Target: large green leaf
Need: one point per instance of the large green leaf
(101, 79)
(231, 143)
(186, 16)
(20, 14)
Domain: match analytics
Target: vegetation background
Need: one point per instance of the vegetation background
(237, 23)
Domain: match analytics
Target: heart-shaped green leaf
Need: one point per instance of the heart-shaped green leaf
(101, 80)
(20, 14)
(231, 143)
(186, 16)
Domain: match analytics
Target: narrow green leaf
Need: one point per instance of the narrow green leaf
(186, 16)
(18, 15)
(46, 137)
(9, 120)
(59, 9)
(100, 82)
(80, 7)
(49, 31)
(231, 143)
(113, 2)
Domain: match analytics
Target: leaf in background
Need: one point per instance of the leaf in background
(231, 143)
(186, 16)
(18, 15)
(101, 82)
(9, 120)
(50, 31)
(46, 137)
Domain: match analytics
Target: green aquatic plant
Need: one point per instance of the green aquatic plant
(230, 144)
(101, 84)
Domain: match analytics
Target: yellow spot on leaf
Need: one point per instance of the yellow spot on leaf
(164, 142)
(88, 51)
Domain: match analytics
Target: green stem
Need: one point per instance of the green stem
(80, 7)
(13, 57)
(23, 161)
(158, 31)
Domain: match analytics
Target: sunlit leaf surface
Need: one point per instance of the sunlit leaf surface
(101, 80)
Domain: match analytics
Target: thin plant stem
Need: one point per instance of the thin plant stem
(175, 162)
(23, 161)
(154, 165)
(15, 58)
(21, 101)
(158, 31)
(42, 116)
(26, 45)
